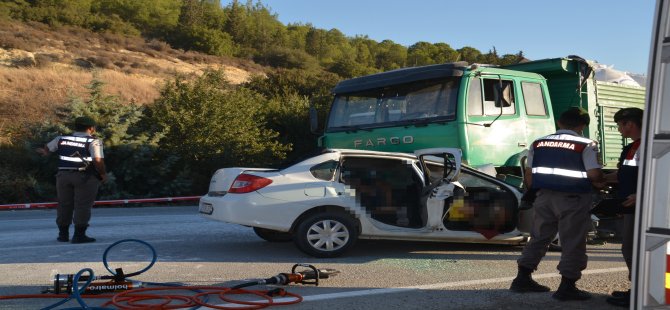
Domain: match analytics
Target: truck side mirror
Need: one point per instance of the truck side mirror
(503, 94)
(313, 120)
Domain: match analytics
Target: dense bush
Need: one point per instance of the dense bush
(209, 124)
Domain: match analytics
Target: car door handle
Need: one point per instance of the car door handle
(521, 144)
(339, 193)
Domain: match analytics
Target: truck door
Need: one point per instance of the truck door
(538, 119)
(495, 131)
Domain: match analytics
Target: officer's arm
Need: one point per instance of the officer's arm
(527, 177)
(44, 151)
(99, 164)
(597, 178)
(49, 147)
(611, 177)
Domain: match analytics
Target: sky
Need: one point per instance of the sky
(611, 32)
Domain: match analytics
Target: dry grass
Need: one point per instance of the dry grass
(34, 94)
(40, 68)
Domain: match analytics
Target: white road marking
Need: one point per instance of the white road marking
(70, 246)
(443, 285)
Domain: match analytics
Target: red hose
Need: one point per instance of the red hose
(138, 299)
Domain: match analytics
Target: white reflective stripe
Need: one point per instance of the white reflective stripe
(77, 139)
(568, 137)
(75, 159)
(559, 171)
(630, 162)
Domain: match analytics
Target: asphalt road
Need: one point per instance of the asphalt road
(374, 274)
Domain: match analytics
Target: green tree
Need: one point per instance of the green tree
(390, 55)
(421, 54)
(362, 47)
(286, 82)
(509, 59)
(206, 40)
(490, 58)
(289, 94)
(444, 53)
(58, 12)
(154, 18)
(347, 67)
(469, 54)
(296, 36)
(200, 28)
(315, 42)
(236, 22)
(287, 58)
(210, 125)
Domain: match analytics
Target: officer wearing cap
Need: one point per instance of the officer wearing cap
(564, 168)
(629, 123)
(81, 170)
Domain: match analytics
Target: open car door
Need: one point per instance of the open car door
(439, 185)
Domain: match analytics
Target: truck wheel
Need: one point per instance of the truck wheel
(325, 234)
(273, 235)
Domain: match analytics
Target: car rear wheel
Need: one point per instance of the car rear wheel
(325, 234)
(273, 235)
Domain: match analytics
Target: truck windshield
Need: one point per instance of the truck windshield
(416, 102)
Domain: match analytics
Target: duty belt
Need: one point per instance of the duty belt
(72, 169)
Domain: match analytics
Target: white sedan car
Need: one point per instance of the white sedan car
(327, 202)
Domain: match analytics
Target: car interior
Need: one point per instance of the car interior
(484, 207)
(388, 189)
(391, 192)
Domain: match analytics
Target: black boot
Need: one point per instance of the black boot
(619, 299)
(525, 283)
(569, 291)
(80, 235)
(63, 233)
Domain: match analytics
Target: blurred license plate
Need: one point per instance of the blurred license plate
(206, 208)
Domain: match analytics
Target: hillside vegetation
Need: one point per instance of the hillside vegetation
(41, 67)
(179, 87)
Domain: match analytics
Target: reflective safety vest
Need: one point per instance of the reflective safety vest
(73, 152)
(558, 164)
(629, 163)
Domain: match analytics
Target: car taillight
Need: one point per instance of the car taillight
(245, 183)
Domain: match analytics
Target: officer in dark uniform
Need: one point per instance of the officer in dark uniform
(564, 168)
(629, 123)
(81, 170)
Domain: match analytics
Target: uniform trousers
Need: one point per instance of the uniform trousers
(627, 240)
(568, 215)
(76, 194)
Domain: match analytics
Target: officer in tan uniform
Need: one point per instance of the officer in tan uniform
(564, 168)
(81, 170)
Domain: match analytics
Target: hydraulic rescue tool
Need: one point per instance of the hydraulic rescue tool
(64, 283)
(309, 275)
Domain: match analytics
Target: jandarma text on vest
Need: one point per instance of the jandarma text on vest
(72, 143)
(557, 144)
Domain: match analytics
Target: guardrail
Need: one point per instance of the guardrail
(50, 205)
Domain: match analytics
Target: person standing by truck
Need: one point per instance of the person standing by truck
(564, 168)
(81, 170)
(629, 123)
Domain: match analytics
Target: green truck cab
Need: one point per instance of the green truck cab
(492, 113)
